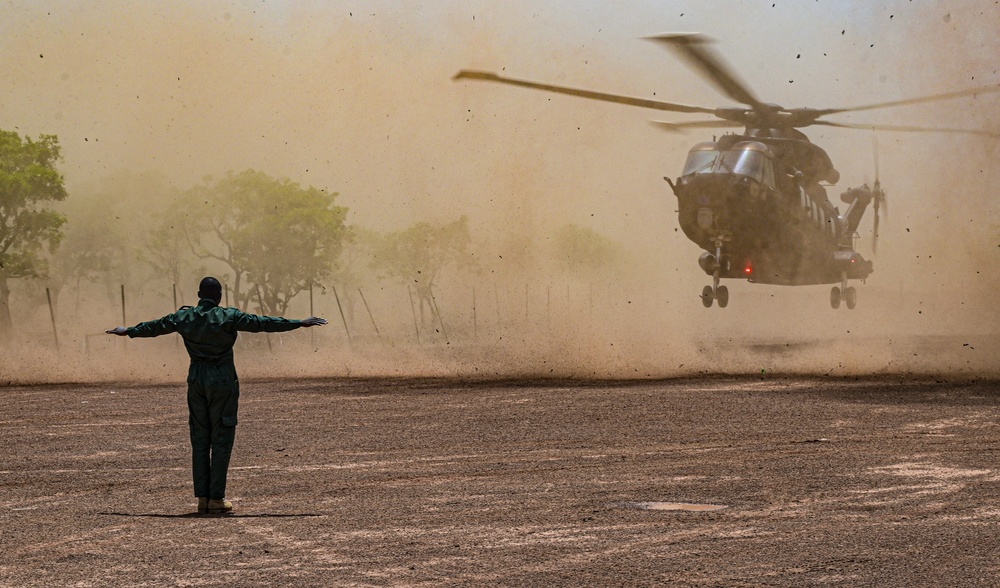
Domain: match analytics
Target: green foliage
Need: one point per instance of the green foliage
(417, 255)
(356, 256)
(107, 229)
(29, 182)
(166, 249)
(277, 237)
(93, 246)
(584, 251)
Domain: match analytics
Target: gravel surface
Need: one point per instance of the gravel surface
(434, 482)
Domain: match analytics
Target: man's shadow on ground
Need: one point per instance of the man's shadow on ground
(195, 515)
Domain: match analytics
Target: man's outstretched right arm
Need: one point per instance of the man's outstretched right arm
(163, 326)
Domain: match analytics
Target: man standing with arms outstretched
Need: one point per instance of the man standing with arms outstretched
(209, 332)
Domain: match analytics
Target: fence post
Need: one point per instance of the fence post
(413, 311)
(342, 317)
(440, 320)
(377, 334)
(176, 339)
(260, 302)
(312, 332)
(52, 315)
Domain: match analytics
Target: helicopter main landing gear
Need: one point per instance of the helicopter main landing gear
(844, 292)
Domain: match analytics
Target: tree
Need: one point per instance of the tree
(277, 237)
(108, 230)
(166, 249)
(583, 251)
(93, 246)
(29, 181)
(417, 255)
(353, 267)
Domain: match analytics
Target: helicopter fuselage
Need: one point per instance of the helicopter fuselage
(759, 212)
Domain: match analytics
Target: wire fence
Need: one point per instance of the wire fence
(359, 316)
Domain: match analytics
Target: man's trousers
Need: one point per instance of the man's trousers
(213, 401)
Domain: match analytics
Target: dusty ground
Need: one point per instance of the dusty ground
(840, 482)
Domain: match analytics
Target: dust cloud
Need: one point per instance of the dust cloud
(356, 98)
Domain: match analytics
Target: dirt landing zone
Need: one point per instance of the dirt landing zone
(348, 482)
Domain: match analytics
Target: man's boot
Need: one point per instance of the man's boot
(202, 505)
(219, 506)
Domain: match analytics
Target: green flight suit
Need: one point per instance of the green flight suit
(209, 332)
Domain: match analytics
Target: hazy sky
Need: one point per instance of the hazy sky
(356, 97)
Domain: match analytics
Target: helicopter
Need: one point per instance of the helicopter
(756, 201)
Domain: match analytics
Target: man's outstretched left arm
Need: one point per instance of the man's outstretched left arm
(253, 323)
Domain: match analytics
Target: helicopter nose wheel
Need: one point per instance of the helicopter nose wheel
(721, 294)
(707, 296)
(715, 292)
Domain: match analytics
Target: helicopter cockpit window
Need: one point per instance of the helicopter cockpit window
(769, 172)
(700, 162)
(748, 162)
(744, 163)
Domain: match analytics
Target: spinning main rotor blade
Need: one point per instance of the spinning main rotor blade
(694, 49)
(466, 74)
(908, 101)
(698, 124)
(907, 129)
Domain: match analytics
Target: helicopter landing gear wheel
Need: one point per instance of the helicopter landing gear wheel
(722, 295)
(851, 297)
(719, 293)
(707, 296)
(835, 297)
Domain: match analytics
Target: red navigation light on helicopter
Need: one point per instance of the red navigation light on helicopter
(748, 269)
